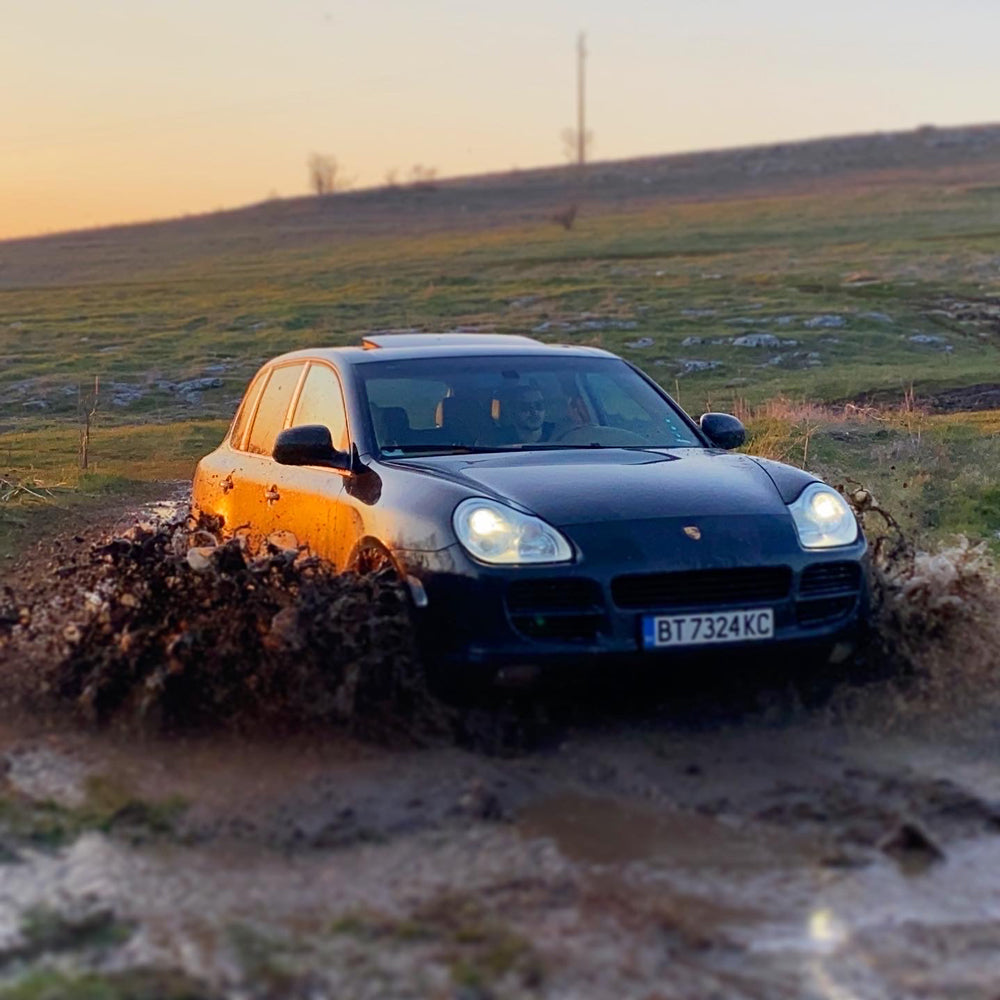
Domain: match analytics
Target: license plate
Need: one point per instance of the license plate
(659, 631)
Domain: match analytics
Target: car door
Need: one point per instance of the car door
(311, 508)
(258, 483)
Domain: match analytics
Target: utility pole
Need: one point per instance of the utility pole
(581, 113)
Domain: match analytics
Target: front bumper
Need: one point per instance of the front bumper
(482, 619)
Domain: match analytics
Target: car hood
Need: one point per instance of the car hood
(579, 486)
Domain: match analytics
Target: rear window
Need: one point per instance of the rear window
(418, 396)
(245, 411)
(270, 418)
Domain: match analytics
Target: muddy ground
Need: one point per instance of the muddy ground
(690, 842)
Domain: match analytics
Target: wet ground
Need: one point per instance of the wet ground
(648, 860)
(677, 845)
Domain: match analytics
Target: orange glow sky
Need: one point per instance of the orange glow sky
(119, 110)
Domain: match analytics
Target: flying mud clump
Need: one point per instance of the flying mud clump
(935, 618)
(166, 624)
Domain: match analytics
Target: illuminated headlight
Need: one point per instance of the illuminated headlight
(495, 533)
(823, 519)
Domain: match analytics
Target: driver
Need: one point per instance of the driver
(524, 415)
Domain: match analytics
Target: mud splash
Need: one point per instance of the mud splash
(162, 625)
(935, 628)
(166, 625)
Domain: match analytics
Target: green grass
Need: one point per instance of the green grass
(479, 945)
(107, 808)
(46, 491)
(761, 259)
(669, 271)
(118, 454)
(45, 930)
(50, 984)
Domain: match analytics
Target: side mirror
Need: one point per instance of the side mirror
(723, 430)
(309, 444)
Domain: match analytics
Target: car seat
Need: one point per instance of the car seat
(392, 425)
(465, 419)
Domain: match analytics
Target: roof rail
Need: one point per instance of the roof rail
(375, 341)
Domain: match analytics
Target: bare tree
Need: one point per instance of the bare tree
(326, 175)
(86, 410)
(422, 177)
(391, 178)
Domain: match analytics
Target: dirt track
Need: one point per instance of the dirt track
(684, 846)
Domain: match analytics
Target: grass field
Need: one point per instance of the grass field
(881, 286)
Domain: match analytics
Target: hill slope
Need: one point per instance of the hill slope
(828, 270)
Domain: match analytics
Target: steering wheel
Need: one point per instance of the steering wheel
(609, 437)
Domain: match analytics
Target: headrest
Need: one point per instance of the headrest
(458, 411)
(393, 423)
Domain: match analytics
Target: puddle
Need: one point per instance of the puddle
(838, 934)
(605, 831)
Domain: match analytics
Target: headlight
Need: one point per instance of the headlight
(495, 533)
(823, 519)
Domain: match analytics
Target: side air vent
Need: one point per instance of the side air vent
(827, 592)
(821, 579)
(569, 609)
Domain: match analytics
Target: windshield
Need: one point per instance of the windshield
(441, 405)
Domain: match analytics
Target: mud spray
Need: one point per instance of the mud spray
(935, 628)
(166, 625)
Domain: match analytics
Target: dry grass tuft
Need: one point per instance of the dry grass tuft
(19, 491)
(782, 429)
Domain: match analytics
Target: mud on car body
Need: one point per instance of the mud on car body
(545, 504)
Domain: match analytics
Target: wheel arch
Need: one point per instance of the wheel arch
(371, 553)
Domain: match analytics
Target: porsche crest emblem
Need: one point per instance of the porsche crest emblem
(693, 532)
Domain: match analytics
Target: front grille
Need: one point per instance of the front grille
(569, 609)
(823, 611)
(822, 579)
(692, 588)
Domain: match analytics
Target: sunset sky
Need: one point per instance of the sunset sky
(119, 110)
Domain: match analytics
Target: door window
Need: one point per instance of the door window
(245, 412)
(322, 402)
(270, 419)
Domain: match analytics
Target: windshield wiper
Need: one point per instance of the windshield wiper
(397, 451)
(563, 447)
(441, 449)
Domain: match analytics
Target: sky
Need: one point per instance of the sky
(122, 110)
